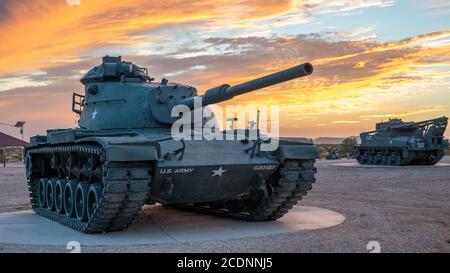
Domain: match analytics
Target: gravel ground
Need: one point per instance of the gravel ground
(405, 209)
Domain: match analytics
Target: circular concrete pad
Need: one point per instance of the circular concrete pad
(356, 164)
(158, 224)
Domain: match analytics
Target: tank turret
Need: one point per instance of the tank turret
(120, 94)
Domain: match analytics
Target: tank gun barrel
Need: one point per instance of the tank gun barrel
(227, 92)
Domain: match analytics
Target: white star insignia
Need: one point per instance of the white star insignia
(94, 114)
(218, 172)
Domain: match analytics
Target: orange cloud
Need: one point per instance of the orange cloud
(38, 34)
(341, 88)
(406, 113)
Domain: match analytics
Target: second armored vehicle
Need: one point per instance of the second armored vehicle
(333, 155)
(96, 177)
(400, 143)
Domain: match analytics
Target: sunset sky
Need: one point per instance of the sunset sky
(373, 59)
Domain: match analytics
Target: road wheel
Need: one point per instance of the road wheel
(398, 160)
(59, 195)
(69, 198)
(388, 160)
(93, 201)
(81, 201)
(50, 194)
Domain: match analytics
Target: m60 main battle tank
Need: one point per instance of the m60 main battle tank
(97, 177)
(400, 143)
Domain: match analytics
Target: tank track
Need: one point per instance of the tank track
(397, 157)
(124, 188)
(276, 197)
(431, 159)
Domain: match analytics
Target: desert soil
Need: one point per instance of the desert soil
(404, 209)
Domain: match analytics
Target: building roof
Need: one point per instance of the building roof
(9, 141)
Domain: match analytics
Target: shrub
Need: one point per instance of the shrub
(346, 146)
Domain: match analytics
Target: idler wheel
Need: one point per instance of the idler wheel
(59, 195)
(69, 198)
(94, 195)
(29, 166)
(434, 157)
(42, 190)
(50, 194)
(81, 201)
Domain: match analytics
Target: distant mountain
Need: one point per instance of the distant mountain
(295, 139)
(322, 140)
(328, 140)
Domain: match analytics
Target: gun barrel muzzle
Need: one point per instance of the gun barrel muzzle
(227, 92)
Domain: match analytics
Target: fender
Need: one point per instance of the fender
(297, 152)
(125, 148)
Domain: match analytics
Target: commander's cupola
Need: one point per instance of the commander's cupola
(114, 69)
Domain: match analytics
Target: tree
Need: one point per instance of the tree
(347, 145)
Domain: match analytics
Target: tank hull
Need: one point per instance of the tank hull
(113, 173)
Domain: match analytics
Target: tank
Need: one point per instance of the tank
(96, 177)
(400, 143)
